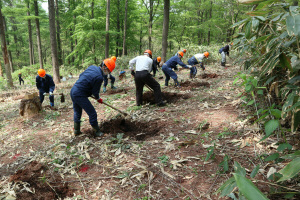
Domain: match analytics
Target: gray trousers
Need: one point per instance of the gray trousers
(223, 57)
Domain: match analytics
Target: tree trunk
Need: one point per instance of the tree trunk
(7, 44)
(53, 41)
(93, 28)
(150, 24)
(210, 15)
(71, 35)
(37, 22)
(60, 61)
(165, 30)
(118, 30)
(1, 71)
(125, 28)
(4, 52)
(107, 29)
(141, 38)
(31, 54)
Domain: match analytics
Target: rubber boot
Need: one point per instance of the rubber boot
(223, 64)
(77, 129)
(113, 87)
(176, 83)
(104, 89)
(51, 104)
(166, 83)
(97, 132)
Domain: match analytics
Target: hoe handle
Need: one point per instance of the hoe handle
(124, 113)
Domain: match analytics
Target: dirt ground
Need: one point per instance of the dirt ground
(154, 153)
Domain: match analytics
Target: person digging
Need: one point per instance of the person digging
(45, 84)
(142, 76)
(195, 60)
(155, 65)
(109, 76)
(88, 84)
(224, 51)
(172, 64)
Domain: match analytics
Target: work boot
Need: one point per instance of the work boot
(113, 87)
(223, 64)
(97, 132)
(176, 83)
(104, 89)
(77, 129)
(166, 83)
(51, 104)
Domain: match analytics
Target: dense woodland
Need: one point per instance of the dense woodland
(88, 31)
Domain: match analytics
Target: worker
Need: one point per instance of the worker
(109, 76)
(88, 84)
(224, 51)
(183, 51)
(155, 65)
(195, 60)
(20, 78)
(45, 84)
(142, 76)
(171, 64)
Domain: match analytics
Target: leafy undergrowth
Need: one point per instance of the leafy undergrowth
(185, 150)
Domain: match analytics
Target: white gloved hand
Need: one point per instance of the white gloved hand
(51, 93)
(189, 66)
(44, 93)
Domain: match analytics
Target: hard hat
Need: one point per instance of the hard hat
(206, 54)
(158, 59)
(114, 58)
(148, 52)
(184, 50)
(41, 72)
(180, 53)
(110, 64)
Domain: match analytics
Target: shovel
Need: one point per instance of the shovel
(124, 113)
(149, 88)
(62, 96)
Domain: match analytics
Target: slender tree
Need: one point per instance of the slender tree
(4, 51)
(38, 35)
(165, 29)
(31, 53)
(93, 28)
(107, 29)
(53, 41)
(60, 62)
(125, 29)
(7, 43)
(118, 49)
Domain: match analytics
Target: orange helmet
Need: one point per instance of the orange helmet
(114, 58)
(110, 64)
(41, 72)
(184, 50)
(206, 54)
(148, 52)
(180, 53)
(159, 59)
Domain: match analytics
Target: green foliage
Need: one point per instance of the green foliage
(210, 153)
(269, 47)
(119, 142)
(164, 159)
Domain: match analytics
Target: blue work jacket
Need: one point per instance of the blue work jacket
(45, 84)
(89, 82)
(173, 61)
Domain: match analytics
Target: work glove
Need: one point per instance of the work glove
(132, 73)
(202, 66)
(50, 93)
(104, 89)
(189, 66)
(44, 93)
(100, 100)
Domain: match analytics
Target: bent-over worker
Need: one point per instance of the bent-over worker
(88, 84)
(45, 84)
(195, 60)
(142, 76)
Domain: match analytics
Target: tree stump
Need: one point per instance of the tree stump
(30, 105)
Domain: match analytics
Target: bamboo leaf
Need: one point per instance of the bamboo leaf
(291, 170)
(270, 127)
(227, 187)
(248, 189)
(254, 171)
(292, 156)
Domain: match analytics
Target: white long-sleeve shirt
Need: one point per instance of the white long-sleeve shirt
(199, 57)
(141, 63)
